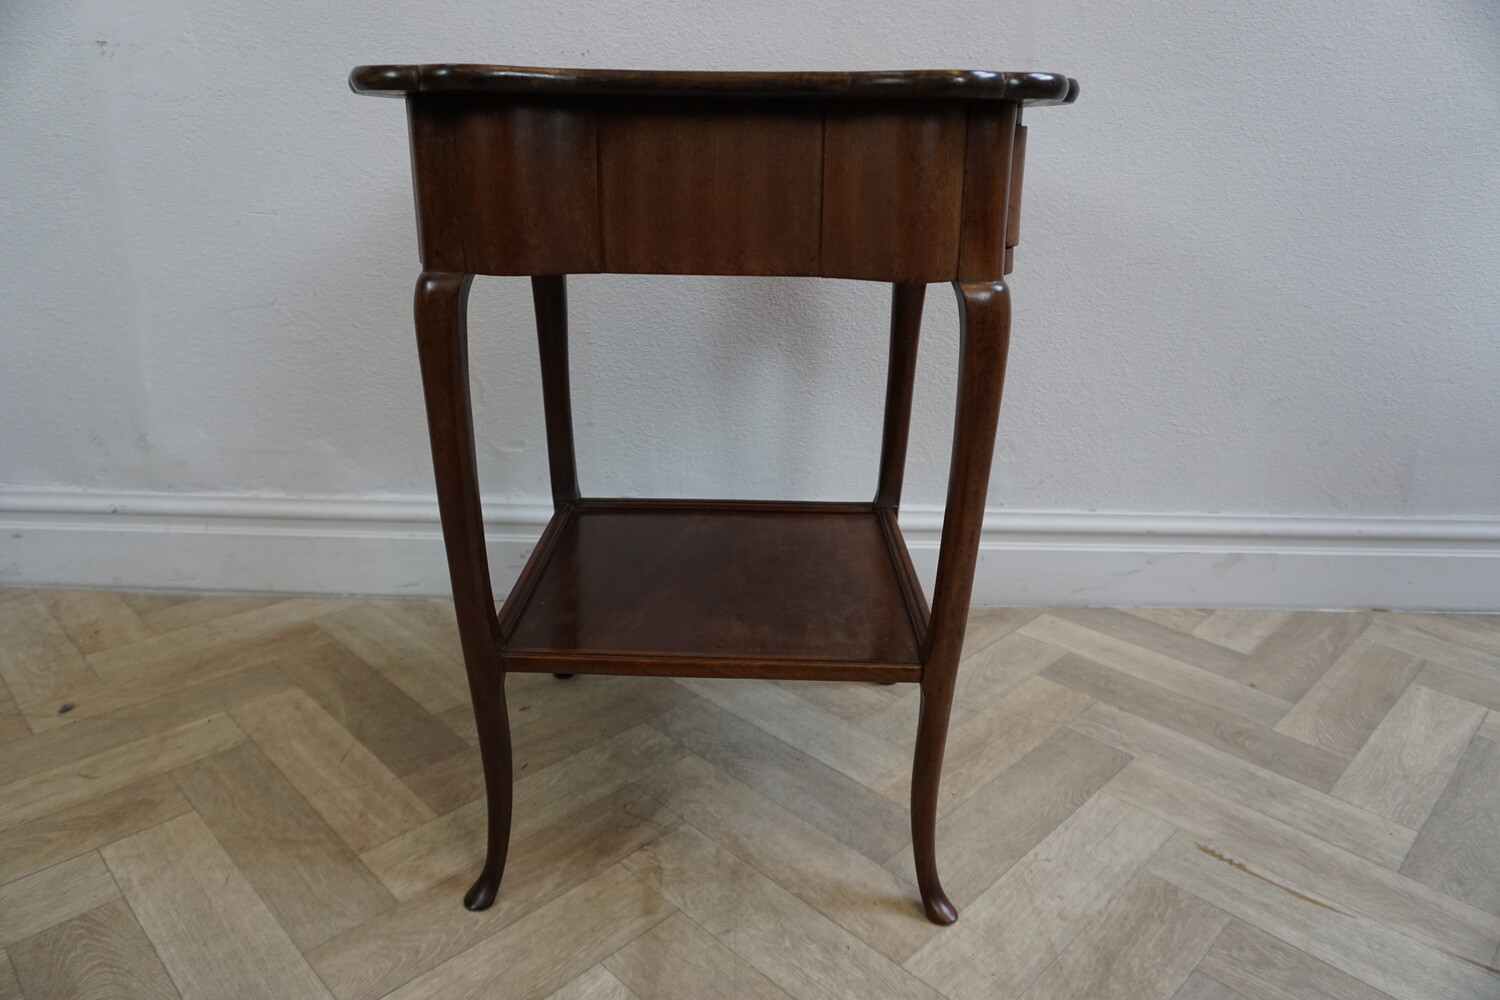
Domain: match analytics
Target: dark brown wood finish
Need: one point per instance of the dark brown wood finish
(900, 382)
(434, 170)
(528, 182)
(443, 348)
(984, 338)
(907, 177)
(981, 250)
(891, 85)
(808, 585)
(892, 192)
(549, 296)
(1013, 212)
(701, 189)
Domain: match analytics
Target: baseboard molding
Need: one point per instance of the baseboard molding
(392, 546)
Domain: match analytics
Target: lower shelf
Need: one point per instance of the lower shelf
(718, 588)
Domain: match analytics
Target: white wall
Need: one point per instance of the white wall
(1258, 298)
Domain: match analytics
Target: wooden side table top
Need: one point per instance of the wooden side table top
(902, 84)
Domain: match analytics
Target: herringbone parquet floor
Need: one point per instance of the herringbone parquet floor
(251, 797)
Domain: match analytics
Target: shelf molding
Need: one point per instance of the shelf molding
(391, 545)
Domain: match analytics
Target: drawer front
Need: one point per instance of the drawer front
(892, 193)
(688, 190)
(506, 186)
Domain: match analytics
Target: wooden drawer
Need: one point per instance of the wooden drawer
(514, 186)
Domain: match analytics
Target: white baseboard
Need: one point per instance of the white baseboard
(392, 546)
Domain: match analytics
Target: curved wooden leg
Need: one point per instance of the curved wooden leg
(442, 343)
(900, 383)
(494, 754)
(927, 771)
(984, 316)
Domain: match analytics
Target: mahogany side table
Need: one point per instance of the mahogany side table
(905, 177)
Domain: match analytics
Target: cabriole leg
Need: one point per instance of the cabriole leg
(984, 337)
(927, 769)
(442, 343)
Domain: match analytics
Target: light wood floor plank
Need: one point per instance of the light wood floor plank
(1490, 727)
(551, 946)
(1356, 945)
(1178, 619)
(87, 826)
(1477, 634)
(988, 625)
(1403, 767)
(1313, 766)
(13, 725)
(111, 770)
(989, 743)
(397, 730)
(453, 843)
(1426, 646)
(1461, 684)
(32, 904)
(678, 960)
(167, 710)
(984, 676)
(1274, 850)
(1241, 631)
(353, 792)
(152, 680)
(165, 613)
(181, 651)
(1317, 813)
(1346, 704)
(1160, 930)
(796, 947)
(1022, 923)
(1292, 658)
(834, 803)
(308, 878)
(427, 675)
(1162, 671)
(41, 667)
(852, 701)
(596, 984)
(821, 735)
(1260, 967)
(213, 933)
(143, 602)
(861, 896)
(433, 621)
(1458, 849)
(997, 825)
(1200, 987)
(601, 707)
(425, 930)
(1129, 628)
(101, 955)
(10, 989)
(94, 620)
(461, 721)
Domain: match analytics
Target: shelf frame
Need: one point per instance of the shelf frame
(543, 658)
